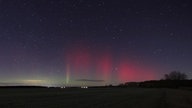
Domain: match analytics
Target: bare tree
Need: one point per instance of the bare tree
(175, 75)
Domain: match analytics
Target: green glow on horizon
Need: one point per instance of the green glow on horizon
(67, 74)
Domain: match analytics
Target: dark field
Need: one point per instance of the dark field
(95, 98)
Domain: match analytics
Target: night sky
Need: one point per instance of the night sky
(93, 42)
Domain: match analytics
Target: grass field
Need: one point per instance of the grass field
(95, 98)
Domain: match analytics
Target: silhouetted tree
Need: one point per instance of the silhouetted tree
(175, 75)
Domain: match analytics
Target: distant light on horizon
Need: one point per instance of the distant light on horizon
(28, 81)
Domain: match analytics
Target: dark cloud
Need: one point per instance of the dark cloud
(90, 80)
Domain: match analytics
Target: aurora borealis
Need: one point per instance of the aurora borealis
(93, 42)
(101, 64)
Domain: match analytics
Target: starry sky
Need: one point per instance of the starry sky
(93, 42)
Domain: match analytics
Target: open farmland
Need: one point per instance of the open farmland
(94, 98)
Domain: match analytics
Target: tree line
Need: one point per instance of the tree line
(174, 79)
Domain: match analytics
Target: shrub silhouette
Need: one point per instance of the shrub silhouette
(175, 75)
